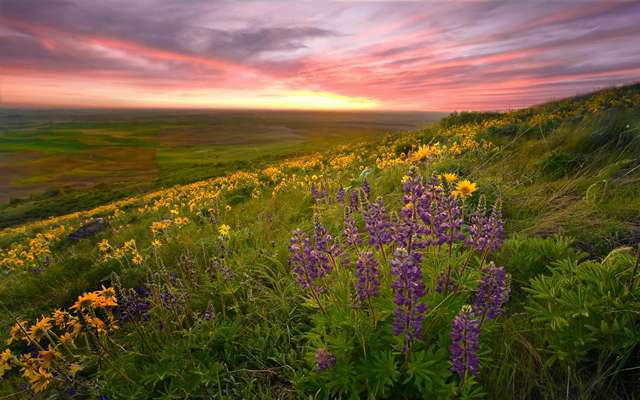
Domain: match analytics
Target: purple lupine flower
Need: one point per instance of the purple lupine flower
(304, 259)
(493, 292)
(168, 298)
(366, 189)
(209, 312)
(354, 201)
(368, 274)
(486, 233)
(315, 194)
(441, 282)
(465, 334)
(326, 250)
(133, 306)
(408, 289)
(447, 221)
(324, 359)
(378, 224)
(340, 195)
(350, 230)
(409, 231)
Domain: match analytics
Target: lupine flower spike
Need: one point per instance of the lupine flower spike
(324, 359)
(408, 289)
(493, 292)
(465, 334)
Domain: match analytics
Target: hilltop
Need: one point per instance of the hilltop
(487, 255)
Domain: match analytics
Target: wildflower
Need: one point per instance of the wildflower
(465, 333)
(59, 317)
(38, 378)
(40, 328)
(368, 274)
(324, 359)
(305, 262)
(227, 207)
(409, 233)
(156, 243)
(354, 201)
(366, 189)
(377, 224)
(17, 331)
(137, 259)
(107, 297)
(224, 229)
(326, 249)
(493, 292)
(103, 246)
(134, 305)
(209, 312)
(350, 230)
(408, 289)
(450, 177)
(423, 152)
(486, 233)
(47, 356)
(340, 195)
(5, 358)
(464, 189)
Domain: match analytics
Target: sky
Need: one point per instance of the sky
(380, 55)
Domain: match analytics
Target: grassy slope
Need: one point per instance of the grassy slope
(576, 173)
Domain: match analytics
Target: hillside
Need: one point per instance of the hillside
(490, 255)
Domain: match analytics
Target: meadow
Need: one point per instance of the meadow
(58, 161)
(488, 255)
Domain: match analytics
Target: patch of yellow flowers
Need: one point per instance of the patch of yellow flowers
(54, 338)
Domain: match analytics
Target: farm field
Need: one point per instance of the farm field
(483, 255)
(56, 161)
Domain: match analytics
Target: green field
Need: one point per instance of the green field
(56, 161)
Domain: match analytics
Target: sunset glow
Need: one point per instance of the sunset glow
(312, 55)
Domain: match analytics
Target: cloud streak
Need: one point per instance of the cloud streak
(407, 55)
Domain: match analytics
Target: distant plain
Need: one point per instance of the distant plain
(51, 160)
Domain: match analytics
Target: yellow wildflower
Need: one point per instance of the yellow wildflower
(40, 328)
(450, 177)
(17, 331)
(5, 356)
(47, 356)
(224, 229)
(137, 259)
(103, 246)
(38, 378)
(464, 189)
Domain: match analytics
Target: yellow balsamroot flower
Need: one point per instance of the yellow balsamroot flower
(450, 177)
(137, 259)
(47, 356)
(227, 207)
(464, 189)
(86, 300)
(224, 229)
(41, 327)
(38, 378)
(5, 356)
(17, 331)
(156, 243)
(59, 316)
(103, 246)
